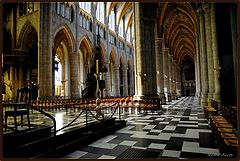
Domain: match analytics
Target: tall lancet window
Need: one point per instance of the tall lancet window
(100, 14)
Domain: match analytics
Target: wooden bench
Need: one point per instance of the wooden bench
(211, 109)
(224, 135)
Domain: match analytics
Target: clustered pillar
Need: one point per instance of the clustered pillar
(159, 69)
(209, 64)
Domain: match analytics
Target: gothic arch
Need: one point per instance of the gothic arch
(86, 47)
(27, 35)
(67, 36)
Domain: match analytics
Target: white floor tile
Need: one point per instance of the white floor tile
(190, 147)
(76, 154)
(159, 119)
(139, 147)
(164, 123)
(170, 128)
(210, 151)
(128, 143)
(103, 145)
(156, 146)
(176, 119)
(155, 130)
(188, 122)
(171, 153)
(186, 125)
(107, 157)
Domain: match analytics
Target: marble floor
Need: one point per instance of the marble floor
(178, 131)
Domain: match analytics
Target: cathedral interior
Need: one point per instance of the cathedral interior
(161, 76)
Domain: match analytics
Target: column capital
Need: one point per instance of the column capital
(116, 67)
(166, 49)
(206, 8)
(199, 11)
(159, 39)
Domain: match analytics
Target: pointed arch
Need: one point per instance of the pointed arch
(86, 47)
(112, 56)
(27, 34)
(66, 35)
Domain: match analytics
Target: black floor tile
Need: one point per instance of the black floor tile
(193, 155)
(143, 142)
(173, 123)
(167, 119)
(184, 119)
(180, 130)
(174, 144)
(132, 153)
(202, 121)
(203, 127)
(206, 140)
(160, 126)
(123, 136)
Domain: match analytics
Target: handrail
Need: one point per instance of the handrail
(48, 115)
(108, 117)
(70, 122)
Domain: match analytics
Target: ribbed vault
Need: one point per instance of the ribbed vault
(177, 22)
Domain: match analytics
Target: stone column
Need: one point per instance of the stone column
(233, 22)
(198, 69)
(125, 81)
(12, 78)
(166, 69)
(45, 63)
(144, 52)
(107, 80)
(159, 69)
(20, 74)
(73, 75)
(203, 54)
(131, 82)
(170, 76)
(117, 80)
(215, 56)
(209, 51)
(174, 80)
(179, 81)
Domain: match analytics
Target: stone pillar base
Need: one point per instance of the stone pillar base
(204, 100)
(138, 97)
(174, 96)
(162, 98)
(209, 97)
(218, 99)
(169, 97)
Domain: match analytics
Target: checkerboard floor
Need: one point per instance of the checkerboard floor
(178, 131)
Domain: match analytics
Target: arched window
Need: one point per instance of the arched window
(129, 34)
(67, 10)
(100, 14)
(85, 6)
(62, 8)
(121, 28)
(112, 20)
(72, 14)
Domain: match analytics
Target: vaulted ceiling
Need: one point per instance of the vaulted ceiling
(178, 22)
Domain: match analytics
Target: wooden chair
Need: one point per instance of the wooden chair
(20, 107)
